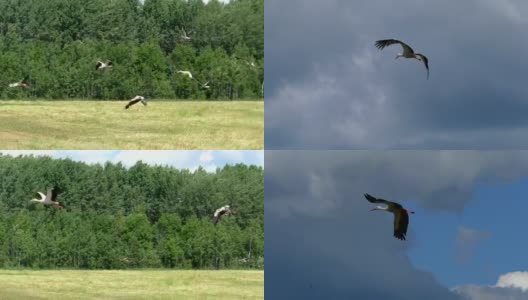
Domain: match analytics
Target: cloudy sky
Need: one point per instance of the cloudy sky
(328, 87)
(464, 242)
(184, 159)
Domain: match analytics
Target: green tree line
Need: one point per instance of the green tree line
(58, 42)
(116, 217)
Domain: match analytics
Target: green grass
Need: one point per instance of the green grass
(106, 125)
(134, 285)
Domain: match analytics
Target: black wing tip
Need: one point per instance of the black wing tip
(380, 44)
(399, 235)
(368, 196)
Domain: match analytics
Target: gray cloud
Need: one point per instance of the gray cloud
(328, 86)
(321, 241)
(467, 241)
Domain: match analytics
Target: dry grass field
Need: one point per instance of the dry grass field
(134, 285)
(106, 125)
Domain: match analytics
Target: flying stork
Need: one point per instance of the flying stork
(219, 213)
(22, 83)
(205, 85)
(48, 199)
(401, 217)
(101, 65)
(408, 52)
(136, 100)
(186, 73)
(184, 35)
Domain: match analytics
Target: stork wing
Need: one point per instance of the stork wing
(379, 200)
(98, 65)
(384, 43)
(132, 102)
(425, 61)
(217, 212)
(49, 195)
(401, 221)
(42, 196)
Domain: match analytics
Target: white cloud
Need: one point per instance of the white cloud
(509, 286)
(514, 279)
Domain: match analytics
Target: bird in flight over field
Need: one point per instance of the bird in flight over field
(220, 213)
(22, 83)
(187, 73)
(48, 199)
(136, 100)
(101, 65)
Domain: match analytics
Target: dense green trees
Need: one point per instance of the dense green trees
(137, 217)
(57, 43)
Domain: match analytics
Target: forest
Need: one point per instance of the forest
(118, 217)
(57, 43)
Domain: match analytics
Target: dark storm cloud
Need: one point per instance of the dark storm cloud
(327, 86)
(321, 241)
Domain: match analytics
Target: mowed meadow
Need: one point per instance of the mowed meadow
(137, 284)
(107, 125)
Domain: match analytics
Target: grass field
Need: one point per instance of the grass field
(135, 285)
(106, 125)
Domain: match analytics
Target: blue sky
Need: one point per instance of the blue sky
(496, 211)
(188, 159)
(464, 242)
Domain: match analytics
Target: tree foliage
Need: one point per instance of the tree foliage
(58, 42)
(137, 217)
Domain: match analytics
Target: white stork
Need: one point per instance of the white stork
(184, 35)
(219, 213)
(22, 83)
(401, 217)
(186, 73)
(408, 52)
(48, 199)
(136, 100)
(205, 85)
(101, 65)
